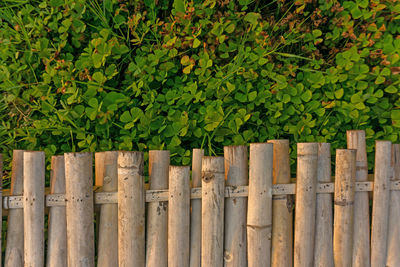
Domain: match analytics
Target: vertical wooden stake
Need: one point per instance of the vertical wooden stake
(393, 256)
(179, 216)
(282, 208)
(157, 212)
(1, 202)
(57, 231)
(306, 188)
(380, 207)
(259, 214)
(361, 254)
(131, 209)
(195, 219)
(236, 174)
(15, 227)
(107, 175)
(212, 201)
(323, 250)
(34, 209)
(345, 176)
(79, 208)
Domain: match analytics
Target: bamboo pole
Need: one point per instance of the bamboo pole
(157, 212)
(14, 256)
(131, 209)
(236, 174)
(195, 219)
(361, 253)
(323, 250)
(380, 206)
(57, 231)
(79, 208)
(393, 256)
(306, 188)
(179, 216)
(107, 175)
(345, 176)
(212, 201)
(282, 208)
(34, 209)
(259, 214)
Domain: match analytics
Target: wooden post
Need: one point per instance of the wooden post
(195, 219)
(57, 231)
(282, 208)
(236, 174)
(1, 202)
(212, 201)
(79, 208)
(107, 175)
(306, 188)
(15, 227)
(345, 176)
(380, 206)
(131, 209)
(34, 209)
(259, 214)
(393, 256)
(157, 212)
(323, 249)
(361, 253)
(179, 216)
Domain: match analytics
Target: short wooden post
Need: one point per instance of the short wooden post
(236, 174)
(15, 227)
(345, 176)
(1, 202)
(259, 213)
(106, 174)
(57, 230)
(380, 206)
(306, 188)
(323, 250)
(282, 208)
(393, 255)
(79, 208)
(179, 216)
(212, 227)
(131, 209)
(195, 216)
(157, 212)
(361, 253)
(34, 209)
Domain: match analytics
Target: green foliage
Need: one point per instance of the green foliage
(137, 75)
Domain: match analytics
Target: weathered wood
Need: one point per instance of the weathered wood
(157, 212)
(323, 249)
(259, 214)
(361, 250)
(393, 255)
(306, 190)
(212, 228)
(179, 216)
(14, 256)
(131, 209)
(282, 207)
(106, 174)
(345, 176)
(235, 240)
(195, 216)
(34, 209)
(57, 231)
(380, 206)
(79, 208)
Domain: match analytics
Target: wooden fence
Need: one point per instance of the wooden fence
(224, 212)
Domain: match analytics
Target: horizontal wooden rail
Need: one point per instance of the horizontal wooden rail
(54, 200)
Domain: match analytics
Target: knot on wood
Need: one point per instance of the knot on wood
(207, 176)
(343, 203)
(228, 256)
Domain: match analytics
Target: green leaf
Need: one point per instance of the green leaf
(196, 43)
(391, 89)
(380, 80)
(306, 96)
(395, 114)
(339, 93)
(126, 117)
(252, 17)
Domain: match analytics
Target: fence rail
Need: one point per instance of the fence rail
(233, 211)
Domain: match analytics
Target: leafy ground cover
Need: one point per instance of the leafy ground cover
(104, 75)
